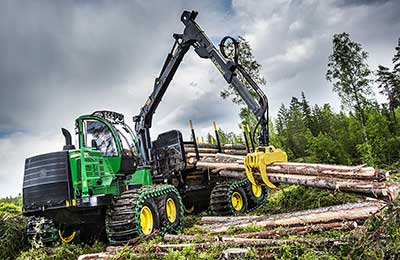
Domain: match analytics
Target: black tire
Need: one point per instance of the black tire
(254, 200)
(64, 232)
(172, 225)
(123, 221)
(90, 233)
(156, 217)
(221, 198)
(245, 201)
(189, 207)
(41, 229)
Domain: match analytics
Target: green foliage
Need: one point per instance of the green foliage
(17, 201)
(292, 198)
(379, 237)
(252, 67)
(12, 235)
(246, 229)
(349, 72)
(304, 252)
(189, 253)
(9, 209)
(59, 251)
(228, 137)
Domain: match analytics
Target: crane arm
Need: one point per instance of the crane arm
(194, 36)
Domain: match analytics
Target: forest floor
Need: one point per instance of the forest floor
(375, 237)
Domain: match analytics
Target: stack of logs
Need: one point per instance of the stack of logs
(355, 179)
(273, 231)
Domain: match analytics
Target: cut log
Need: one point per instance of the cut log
(337, 171)
(346, 212)
(254, 241)
(238, 158)
(325, 170)
(201, 150)
(234, 146)
(218, 165)
(383, 190)
(201, 154)
(301, 230)
(201, 145)
(235, 152)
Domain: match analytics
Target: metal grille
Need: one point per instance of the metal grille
(46, 180)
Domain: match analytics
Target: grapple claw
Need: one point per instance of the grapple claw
(258, 162)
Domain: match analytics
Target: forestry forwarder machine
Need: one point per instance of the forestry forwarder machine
(118, 188)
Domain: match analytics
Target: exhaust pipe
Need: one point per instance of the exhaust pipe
(68, 140)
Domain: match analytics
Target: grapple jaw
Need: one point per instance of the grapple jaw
(258, 162)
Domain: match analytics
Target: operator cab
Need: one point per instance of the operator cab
(107, 132)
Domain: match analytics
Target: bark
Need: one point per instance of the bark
(201, 145)
(301, 230)
(326, 170)
(235, 152)
(382, 190)
(234, 146)
(191, 154)
(237, 241)
(201, 150)
(346, 212)
(323, 170)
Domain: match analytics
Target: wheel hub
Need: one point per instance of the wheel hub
(146, 220)
(237, 201)
(257, 190)
(171, 210)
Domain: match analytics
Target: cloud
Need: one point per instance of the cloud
(14, 149)
(63, 59)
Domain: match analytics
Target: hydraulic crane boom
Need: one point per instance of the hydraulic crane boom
(194, 36)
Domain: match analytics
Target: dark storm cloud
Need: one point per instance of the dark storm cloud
(61, 59)
(343, 3)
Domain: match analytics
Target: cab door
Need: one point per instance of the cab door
(99, 135)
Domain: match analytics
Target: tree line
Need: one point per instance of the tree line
(363, 132)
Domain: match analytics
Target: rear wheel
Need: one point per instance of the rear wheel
(257, 195)
(172, 212)
(143, 213)
(229, 198)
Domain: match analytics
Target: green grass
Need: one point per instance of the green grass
(293, 198)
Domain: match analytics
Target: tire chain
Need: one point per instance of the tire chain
(220, 199)
(41, 229)
(123, 217)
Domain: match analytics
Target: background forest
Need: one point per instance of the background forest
(363, 132)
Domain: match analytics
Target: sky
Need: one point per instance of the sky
(62, 59)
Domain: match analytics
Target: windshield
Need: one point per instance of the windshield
(99, 136)
(126, 138)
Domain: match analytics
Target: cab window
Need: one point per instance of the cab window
(127, 142)
(99, 136)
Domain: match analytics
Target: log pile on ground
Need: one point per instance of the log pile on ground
(355, 179)
(334, 217)
(277, 228)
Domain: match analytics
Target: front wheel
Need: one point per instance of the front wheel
(149, 219)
